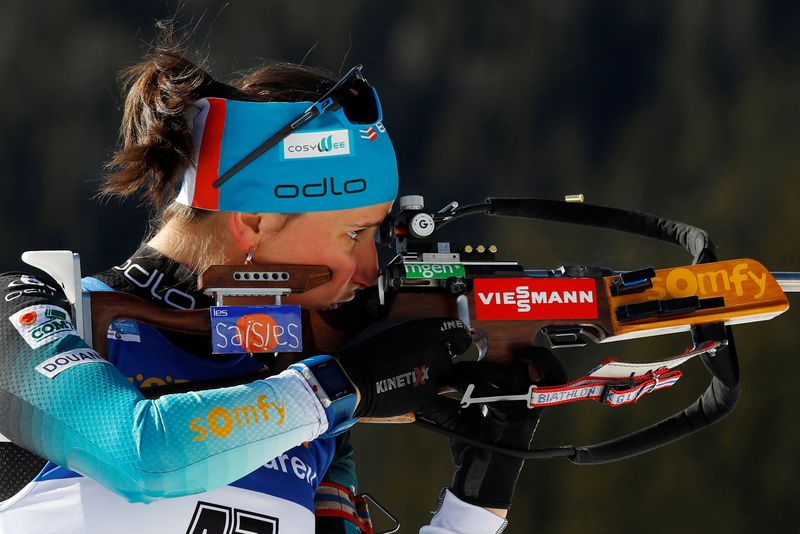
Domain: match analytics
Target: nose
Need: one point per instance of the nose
(366, 272)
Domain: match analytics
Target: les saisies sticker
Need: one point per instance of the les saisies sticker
(240, 329)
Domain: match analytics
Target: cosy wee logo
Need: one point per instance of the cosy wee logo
(325, 144)
(316, 144)
(42, 324)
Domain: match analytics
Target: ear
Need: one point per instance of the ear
(244, 229)
(250, 229)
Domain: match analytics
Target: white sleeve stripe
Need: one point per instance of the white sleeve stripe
(323, 417)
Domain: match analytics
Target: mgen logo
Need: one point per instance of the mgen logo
(42, 324)
(509, 299)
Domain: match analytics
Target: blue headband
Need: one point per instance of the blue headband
(328, 164)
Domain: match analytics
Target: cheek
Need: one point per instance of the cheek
(311, 248)
(336, 253)
(338, 288)
(342, 268)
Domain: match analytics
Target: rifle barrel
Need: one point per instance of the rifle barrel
(789, 281)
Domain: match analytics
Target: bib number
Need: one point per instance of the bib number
(211, 518)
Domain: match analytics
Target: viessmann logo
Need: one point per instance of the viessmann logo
(509, 299)
(316, 144)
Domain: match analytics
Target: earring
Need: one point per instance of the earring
(249, 259)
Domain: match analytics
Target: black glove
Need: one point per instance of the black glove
(399, 367)
(483, 477)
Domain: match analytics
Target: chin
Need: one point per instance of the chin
(348, 298)
(340, 301)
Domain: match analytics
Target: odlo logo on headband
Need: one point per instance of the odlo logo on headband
(316, 144)
(327, 186)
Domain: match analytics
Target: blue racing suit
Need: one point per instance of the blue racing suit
(237, 459)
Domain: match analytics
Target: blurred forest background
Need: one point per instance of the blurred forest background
(689, 109)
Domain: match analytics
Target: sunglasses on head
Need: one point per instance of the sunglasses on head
(352, 94)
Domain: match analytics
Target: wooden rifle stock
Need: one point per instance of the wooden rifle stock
(108, 306)
(240, 285)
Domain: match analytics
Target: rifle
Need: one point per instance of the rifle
(507, 307)
(571, 306)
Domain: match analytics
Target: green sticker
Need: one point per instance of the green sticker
(434, 270)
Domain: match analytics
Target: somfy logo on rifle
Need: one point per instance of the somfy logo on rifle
(742, 278)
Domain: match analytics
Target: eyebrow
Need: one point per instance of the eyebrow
(366, 224)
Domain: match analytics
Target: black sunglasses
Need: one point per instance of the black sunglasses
(352, 93)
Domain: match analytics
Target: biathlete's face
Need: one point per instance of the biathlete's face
(342, 240)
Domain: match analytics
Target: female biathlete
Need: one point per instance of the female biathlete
(83, 451)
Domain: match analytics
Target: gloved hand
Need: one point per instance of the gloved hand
(483, 477)
(399, 367)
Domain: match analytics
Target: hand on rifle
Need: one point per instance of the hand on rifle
(398, 368)
(483, 477)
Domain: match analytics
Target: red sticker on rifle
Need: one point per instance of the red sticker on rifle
(520, 299)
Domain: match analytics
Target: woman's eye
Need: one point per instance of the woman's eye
(353, 234)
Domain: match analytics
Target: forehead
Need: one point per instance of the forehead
(364, 216)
